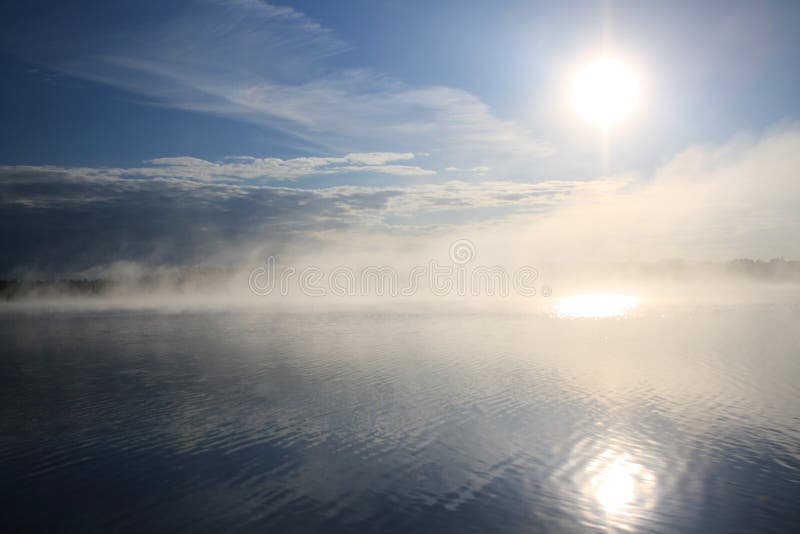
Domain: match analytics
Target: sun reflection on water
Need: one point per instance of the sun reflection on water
(622, 489)
(615, 487)
(595, 305)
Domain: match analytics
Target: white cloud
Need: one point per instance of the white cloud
(249, 168)
(480, 169)
(377, 158)
(738, 199)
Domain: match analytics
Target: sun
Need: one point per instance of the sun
(605, 92)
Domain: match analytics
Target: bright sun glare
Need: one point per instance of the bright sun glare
(595, 305)
(623, 488)
(616, 485)
(605, 92)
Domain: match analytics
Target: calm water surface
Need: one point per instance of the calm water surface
(675, 420)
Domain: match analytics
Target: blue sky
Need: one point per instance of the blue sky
(396, 98)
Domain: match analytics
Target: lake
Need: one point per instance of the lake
(673, 419)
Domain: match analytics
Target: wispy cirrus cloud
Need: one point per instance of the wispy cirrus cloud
(265, 64)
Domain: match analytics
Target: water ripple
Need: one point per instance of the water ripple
(247, 422)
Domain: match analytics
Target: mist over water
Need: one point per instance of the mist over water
(399, 267)
(645, 417)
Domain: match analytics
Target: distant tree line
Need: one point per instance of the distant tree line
(776, 270)
(13, 289)
(183, 279)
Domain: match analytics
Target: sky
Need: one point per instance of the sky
(210, 131)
